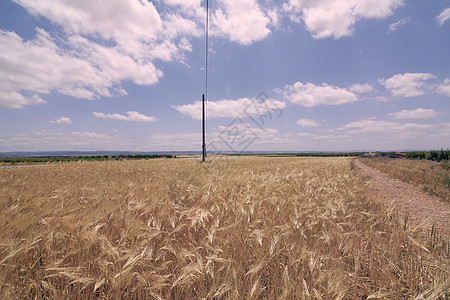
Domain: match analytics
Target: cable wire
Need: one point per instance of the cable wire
(206, 65)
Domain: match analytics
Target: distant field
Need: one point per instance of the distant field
(12, 160)
(433, 177)
(232, 228)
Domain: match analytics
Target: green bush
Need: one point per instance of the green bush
(434, 155)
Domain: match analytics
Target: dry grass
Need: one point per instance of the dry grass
(245, 228)
(429, 175)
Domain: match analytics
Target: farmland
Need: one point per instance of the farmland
(232, 228)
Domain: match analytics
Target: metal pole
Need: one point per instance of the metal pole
(206, 84)
(203, 129)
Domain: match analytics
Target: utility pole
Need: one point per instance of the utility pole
(204, 99)
(203, 129)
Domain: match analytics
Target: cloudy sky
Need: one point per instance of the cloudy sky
(290, 75)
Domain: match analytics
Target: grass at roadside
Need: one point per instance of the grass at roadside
(432, 177)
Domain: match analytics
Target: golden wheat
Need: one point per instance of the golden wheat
(232, 228)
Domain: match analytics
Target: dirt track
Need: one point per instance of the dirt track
(411, 201)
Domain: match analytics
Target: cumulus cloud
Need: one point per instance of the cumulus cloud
(58, 140)
(235, 137)
(336, 18)
(444, 89)
(242, 21)
(305, 134)
(103, 43)
(243, 107)
(419, 113)
(242, 129)
(307, 123)
(89, 135)
(310, 95)
(176, 141)
(12, 99)
(134, 27)
(274, 15)
(372, 125)
(79, 16)
(41, 66)
(361, 88)
(407, 84)
(443, 16)
(133, 116)
(62, 120)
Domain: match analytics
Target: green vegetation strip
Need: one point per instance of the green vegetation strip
(434, 155)
(315, 154)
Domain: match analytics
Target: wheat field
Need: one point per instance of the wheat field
(231, 228)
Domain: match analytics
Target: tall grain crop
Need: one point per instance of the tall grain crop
(238, 228)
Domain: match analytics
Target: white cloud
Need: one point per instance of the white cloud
(103, 43)
(274, 14)
(240, 136)
(176, 25)
(89, 135)
(190, 8)
(58, 140)
(407, 84)
(242, 127)
(361, 88)
(176, 141)
(443, 16)
(134, 28)
(419, 113)
(241, 21)
(131, 116)
(234, 137)
(304, 134)
(16, 100)
(119, 20)
(41, 66)
(444, 89)
(332, 137)
(62, 120)
(336, 18)
(310, 95)
(243, 107)
(395, 26)
(307, 123)
(372, 125)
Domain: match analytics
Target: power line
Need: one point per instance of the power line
(207, 48)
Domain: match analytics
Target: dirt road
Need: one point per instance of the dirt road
(411, 201)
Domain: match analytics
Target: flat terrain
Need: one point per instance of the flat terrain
(232, 228)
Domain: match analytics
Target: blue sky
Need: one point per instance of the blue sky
(293, 75)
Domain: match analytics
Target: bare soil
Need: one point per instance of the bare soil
(411, 201)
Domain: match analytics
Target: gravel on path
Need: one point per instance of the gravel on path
(411, 201)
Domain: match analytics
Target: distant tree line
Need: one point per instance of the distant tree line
(435, 155)
(50, 159)
(330, 154)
